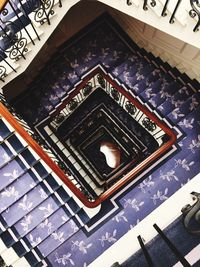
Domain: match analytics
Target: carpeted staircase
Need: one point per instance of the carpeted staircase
(164, 254)
(42, 222)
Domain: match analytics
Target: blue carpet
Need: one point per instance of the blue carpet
(79, 242)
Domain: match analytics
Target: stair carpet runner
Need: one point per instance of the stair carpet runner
(161, 255)
(48, 228)
(32, 194)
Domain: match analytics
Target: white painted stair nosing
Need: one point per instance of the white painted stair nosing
(165, 214)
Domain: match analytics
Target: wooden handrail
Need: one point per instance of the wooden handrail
(129, 176)
(18, 128)
(2, 4)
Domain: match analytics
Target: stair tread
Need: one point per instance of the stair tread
(185, 108)
(168, 172)
(176, 101)
(164, 93)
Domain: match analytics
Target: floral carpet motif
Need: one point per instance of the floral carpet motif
(32, 201)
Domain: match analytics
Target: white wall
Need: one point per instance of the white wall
(170, 49)
(181, 29)
(175, 51)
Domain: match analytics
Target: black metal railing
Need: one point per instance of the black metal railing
(45, 147)
(33, 133)
(194, 12)
(146, 2)
(17, 29)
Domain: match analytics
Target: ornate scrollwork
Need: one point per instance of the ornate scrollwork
(152, 3)
(18, 49)
(87, 194)
(39, 140)
(72, 104)
(59, 118)
(130, 108)
(101, 81)
(12, 42)
(129, 2)
(195, 11)
(2, 73)
(87, 89)
(44, 11)
(115, 94)
(148, 124)
(63, 167)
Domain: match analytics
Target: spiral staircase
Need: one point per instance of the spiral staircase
(59, 205)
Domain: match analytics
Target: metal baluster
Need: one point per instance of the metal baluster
(163, 14)
(14, 46)
(145, 5)
(174, 13)
(60, 3)
(24, 27)
(145, 251)
(129, 2)
(25, 12)
(2, 73)
(8, 64)
(43, 10)
(176, 252)
(195, 12)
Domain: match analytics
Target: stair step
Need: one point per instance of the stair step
(176, 101)
(131, 77)
(69, 229)
(166, 93)
(192, 103)
(191, 122)
(147, 82)
(131, 63)
(26, 204)
(41, 102)
(76, 243)
(17, 189)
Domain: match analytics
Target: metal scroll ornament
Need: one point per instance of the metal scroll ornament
(115, 94)
(12, 41)
(130, 108)
(44, 11)
(72, 104)
(152, 3)
(148, 124)
(191, 215)
(129, 2)
(195, 11)
(59, 118)
(2, 73)
(101, 81)
(87, 89)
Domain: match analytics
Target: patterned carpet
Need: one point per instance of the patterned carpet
(77, 238)
(161, 254)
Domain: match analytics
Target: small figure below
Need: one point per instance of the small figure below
(111, 153)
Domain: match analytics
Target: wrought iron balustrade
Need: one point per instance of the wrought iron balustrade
(18, 20)
(194, 12)
(33, 134)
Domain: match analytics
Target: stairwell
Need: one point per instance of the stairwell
(34, 236)
(172, 96)
(179, 19)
